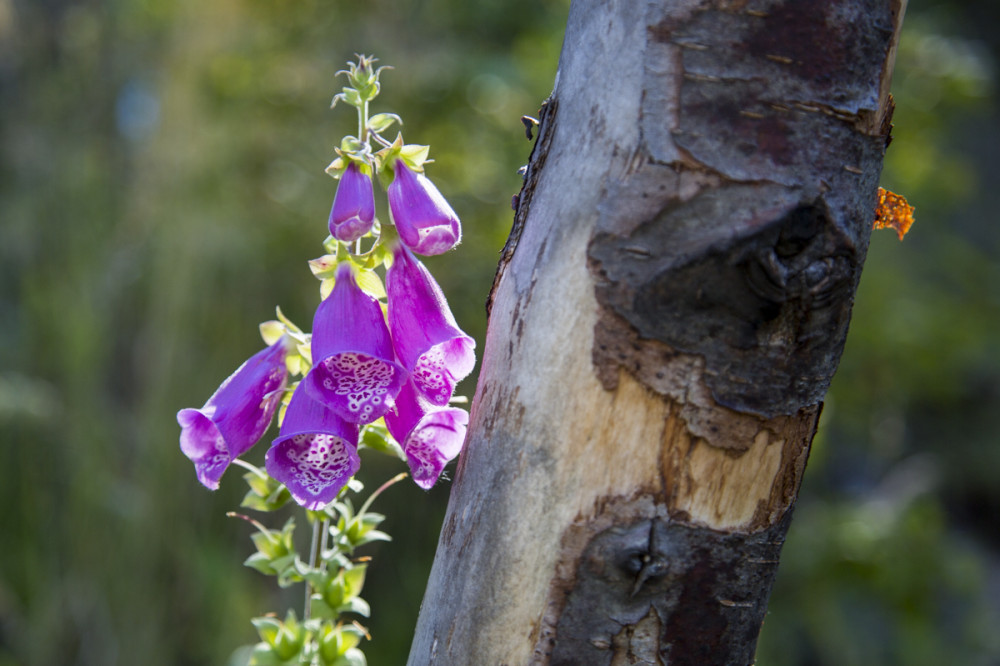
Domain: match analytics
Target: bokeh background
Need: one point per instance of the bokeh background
(161, 186)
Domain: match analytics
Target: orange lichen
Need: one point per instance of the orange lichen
(893, 212)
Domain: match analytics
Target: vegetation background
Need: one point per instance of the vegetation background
(161, 186)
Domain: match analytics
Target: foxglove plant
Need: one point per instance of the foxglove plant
(356, 382)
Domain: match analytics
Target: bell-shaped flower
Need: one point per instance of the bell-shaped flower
(428, 342)
(353, 206)
(236, 415)
(315, 454)
(430, 436)
(423, 218)
(354, 372)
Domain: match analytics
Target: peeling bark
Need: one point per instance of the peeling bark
(666, 317)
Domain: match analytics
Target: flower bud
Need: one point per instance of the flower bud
(353, 206)
(426, 223)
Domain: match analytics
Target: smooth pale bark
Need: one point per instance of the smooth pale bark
(667, 316)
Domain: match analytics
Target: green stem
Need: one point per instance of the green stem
(396, 479)
(245, 465)
(363, 122)
(313, 556)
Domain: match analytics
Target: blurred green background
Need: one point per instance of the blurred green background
(161, 186)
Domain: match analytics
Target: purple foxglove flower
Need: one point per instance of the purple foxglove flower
(430, 436)
(316, 453)
(428, 342)
(236, 415)
(353, 206)
(425, 221)
(354, 372)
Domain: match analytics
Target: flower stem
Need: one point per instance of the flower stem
(396, 479)
(313, 557)
(363, 122)
(253, 468)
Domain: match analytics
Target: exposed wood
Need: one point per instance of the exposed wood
(666, 318)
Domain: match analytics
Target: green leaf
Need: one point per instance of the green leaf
(374, 535)
(263, 655)
(320, 609)
(268, 544)
(350, 144)
(371, 284)
(279, 498)
(383, 121)
(355, 605)
(305, 354)
(254, 501)
(337, 167)
(334, 642)
(292, 328)
(415, 155)
(259, 483)
(271, 331)
(354, 580)
(261, 563)
(291, 636)
(353, 657)
(376, 436)
(325, 287)
(324, 267)
(284, 562)
(351, 96)
(268, 628)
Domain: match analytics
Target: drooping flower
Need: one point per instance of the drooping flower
(425, 221)
(430, 436)
(353, 206)
(354, 372)
(428, 342)
(315, 454)
(236, 415)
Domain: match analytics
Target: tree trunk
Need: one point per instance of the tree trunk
(668, 313)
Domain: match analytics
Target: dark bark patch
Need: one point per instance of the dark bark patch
(766, 306)
(661, 591)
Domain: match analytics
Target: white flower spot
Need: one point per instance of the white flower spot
(363, 380)
(319, 461)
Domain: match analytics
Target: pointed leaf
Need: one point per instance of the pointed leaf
(271, 331)
(356, 605)
(371, 283)
(382, 121)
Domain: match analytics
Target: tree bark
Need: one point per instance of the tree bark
(668, 313)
